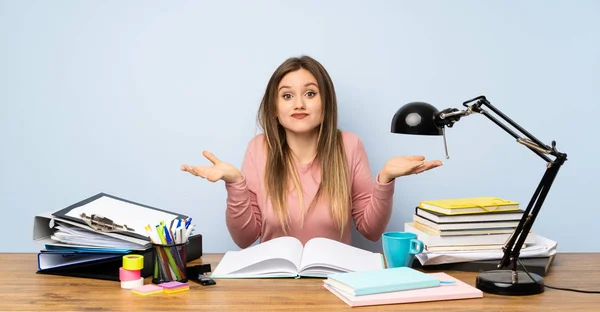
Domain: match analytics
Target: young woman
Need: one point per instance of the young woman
(302, 176)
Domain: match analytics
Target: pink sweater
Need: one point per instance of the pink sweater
(249, 216)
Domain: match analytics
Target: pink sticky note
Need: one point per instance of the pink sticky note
(147, 289)
(171, 285)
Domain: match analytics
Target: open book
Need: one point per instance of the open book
(286, 257)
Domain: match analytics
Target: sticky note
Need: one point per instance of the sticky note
(172, 285)
(172, 291)
(148, 289)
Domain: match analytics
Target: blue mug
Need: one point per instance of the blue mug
(400, 248)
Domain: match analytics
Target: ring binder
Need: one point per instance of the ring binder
(103, 224)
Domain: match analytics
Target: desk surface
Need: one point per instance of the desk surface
(22, 289)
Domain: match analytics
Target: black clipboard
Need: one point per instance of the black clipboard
(63, 212)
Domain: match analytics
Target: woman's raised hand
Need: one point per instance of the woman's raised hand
(220, 170)
(405, 165)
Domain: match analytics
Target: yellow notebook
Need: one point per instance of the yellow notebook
(456, 206)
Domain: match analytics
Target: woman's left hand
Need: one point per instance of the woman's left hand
(404, 165)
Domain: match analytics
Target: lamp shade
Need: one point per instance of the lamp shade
(416, 118)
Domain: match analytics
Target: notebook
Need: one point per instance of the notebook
(380, 281)
(456, 206)
(457, 290)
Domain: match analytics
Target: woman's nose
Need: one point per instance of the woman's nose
(299, 103)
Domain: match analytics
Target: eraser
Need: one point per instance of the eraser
(147, 289)
(172, 285)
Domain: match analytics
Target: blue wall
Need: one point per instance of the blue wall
(113, 96)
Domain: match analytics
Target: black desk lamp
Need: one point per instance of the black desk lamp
(424, 119)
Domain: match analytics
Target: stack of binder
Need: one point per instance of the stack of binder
(89, 238)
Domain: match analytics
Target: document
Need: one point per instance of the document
(286, 257)
(81, 237)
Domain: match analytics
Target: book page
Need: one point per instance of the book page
(324, 256)
(277, 257)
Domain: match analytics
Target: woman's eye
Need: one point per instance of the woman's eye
(287, 96)
(311, 93)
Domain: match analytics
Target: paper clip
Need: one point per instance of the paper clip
(103, 224)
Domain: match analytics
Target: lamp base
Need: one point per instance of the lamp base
(500, 282)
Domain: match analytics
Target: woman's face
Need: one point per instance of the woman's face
(299, 106)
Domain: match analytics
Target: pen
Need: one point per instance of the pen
(171, 227)
(147, 228)
(172, 262)
(153, 237)
(188, 231)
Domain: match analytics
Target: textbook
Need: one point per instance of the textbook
(441, 218)
(381, 281)
(466, 225)
(469, 205)
(430, 239)
(286, 257)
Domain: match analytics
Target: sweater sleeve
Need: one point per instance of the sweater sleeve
(371, 201)
(243, 216)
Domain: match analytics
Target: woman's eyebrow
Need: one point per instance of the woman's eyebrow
(305, 85)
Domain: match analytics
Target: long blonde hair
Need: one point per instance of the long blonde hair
(330, 149)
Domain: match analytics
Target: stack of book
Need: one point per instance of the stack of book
(478, 223)
(396, 285)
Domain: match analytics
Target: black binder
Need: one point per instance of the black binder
(538, 265)
(108, 269)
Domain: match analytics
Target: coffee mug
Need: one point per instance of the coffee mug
(400, 248)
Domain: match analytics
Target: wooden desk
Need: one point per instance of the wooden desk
(24, 290)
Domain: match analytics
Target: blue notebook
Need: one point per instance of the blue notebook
(380, 281)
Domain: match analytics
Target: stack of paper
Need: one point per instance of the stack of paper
(543, 247)
(75, 236)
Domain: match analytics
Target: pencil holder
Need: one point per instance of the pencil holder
(169, 263)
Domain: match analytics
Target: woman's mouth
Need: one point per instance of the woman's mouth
(299, 116)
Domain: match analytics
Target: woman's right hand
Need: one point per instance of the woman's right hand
(218, 171)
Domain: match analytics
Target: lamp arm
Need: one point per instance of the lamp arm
(513, 246)
(475, 106)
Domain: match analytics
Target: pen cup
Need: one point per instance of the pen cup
(169, 263)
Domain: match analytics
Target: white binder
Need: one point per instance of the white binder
(116, 210)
